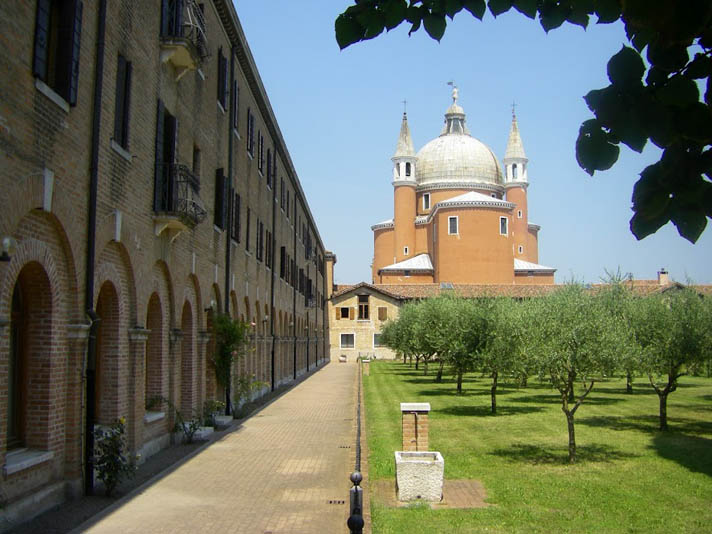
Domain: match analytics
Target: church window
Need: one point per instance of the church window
(407, 169)
(515, 171)
(452, 225)
(426, 201)
(519, 214)
(363, 307)
(405, 251)
(347, 341)
(503, 225)
(344, 313)
(521, 249)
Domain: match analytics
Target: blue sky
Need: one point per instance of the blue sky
(340, 113)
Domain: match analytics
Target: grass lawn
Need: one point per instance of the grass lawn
(629, 477)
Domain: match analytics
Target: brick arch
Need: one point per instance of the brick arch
(188, 368)
(215, 295)
(233, 304)
(110, 400)
(114, 264)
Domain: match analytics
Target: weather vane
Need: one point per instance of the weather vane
(405, 102)
(514, 105)
(451, 83)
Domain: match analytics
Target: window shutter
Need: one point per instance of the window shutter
(74, 56)
(351, 314)
(221, 77)
(165, 17)
(235, 102)
(338, 313)
(119, 104)
(226, 201)
(219, 213)
(39, 65)
(158, 180)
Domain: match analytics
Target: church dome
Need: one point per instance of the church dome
(456, 157)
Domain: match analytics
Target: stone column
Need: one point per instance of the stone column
(137, 386)
(414, 418)
(203, 339)
(175, 340)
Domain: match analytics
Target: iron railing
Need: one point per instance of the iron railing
(181, 196)
(185, 19)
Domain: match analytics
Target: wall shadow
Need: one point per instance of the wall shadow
(533, 454)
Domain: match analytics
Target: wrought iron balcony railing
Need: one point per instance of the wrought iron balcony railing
(183, 38)
(180, 194)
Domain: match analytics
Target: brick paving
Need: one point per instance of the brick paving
(275, 474)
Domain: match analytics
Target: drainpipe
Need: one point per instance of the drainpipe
(90, 376)
(228, 233)
(272, 250)
(294, 287)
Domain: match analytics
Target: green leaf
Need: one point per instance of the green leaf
(689, 220)
(476, 7)
(641, 227)
(700, 67)
(695, 123)
(348, 31)
(394, 12)
(678, 92)
(435, 26)
(376, 23)
(578, 16)
(452, 7)
(626, 68)
(708, 92)
(553, 15)
(642, 38)
(656, 119)
(526, 7)
(607, 11)
(670, 58)
(594, 152)
(656, 76)
(651, 201)
(497, 7)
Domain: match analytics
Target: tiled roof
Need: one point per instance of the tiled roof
(521, 265)
(421, 262)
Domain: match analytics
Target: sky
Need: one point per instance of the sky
(340, 114)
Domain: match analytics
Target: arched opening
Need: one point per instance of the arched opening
(210, 382)
(28, 403)
(188, 397)
(154, 350)
(106, 393)
(407, 168)
(515, 171)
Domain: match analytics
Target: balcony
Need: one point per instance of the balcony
(179, 205)
(183, 40)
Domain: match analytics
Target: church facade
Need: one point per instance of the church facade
(460, 217)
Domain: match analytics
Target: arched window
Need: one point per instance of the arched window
(514, 171)
(407, 169)
(16, 372)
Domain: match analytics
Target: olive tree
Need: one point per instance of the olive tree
(673, 331)
(574, 339)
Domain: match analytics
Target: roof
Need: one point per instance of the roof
(420, 291)
(404, 148)
(473, 198)
(383, 224)
(515, 148)
(421, 262)
(521, 265)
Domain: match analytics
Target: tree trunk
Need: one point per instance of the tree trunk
(459, 381)
(571, 393)
(425, 367)
(572, 436)
(493, 392)
(404, 357)
(417, 362)
(629, 383)
(663, 409)
(523, 380)
(439, 377)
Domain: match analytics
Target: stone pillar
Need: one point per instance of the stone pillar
(203, 339)
(77, 338)
(175, 363)
(414, 418)
(137, 390)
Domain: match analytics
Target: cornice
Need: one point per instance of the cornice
(409, 183)
(495, 188)
(382, 226)
(510, 185)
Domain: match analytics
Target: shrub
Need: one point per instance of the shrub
(110, 460)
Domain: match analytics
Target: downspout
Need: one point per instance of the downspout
(294, 288)
(231, 199)
(90, 370)
(306, 310)
(272, 250)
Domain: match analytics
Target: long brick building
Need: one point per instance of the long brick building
(145, 187)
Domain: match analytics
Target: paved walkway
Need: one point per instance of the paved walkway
(275, 474)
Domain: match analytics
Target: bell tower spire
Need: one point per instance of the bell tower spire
(404, 163)
(516, 182)
(515, 160)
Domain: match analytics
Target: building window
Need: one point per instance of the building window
(282, 262)
(347, 341)
(426, 201)
(58, 29)
(405, 251)
(222, 79)
(222, 197)
(236, 217)
(196, 162)
(406, 273)
(503, 225)
(377, 340)
(519, 214)
(250, 133)
(382, 313)
(282, 194)
(363, 307)
(123, 98)
(407, 169)
(235, 98)
(521, 249)
(452, 225)
(345, 312)
(247, 231)
(515, 171)
(260, 152)
(493, 195)
(166, 148)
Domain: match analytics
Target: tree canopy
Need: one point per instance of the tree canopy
(660, 90)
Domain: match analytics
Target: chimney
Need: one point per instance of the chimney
(663, 278)
(330, 258)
